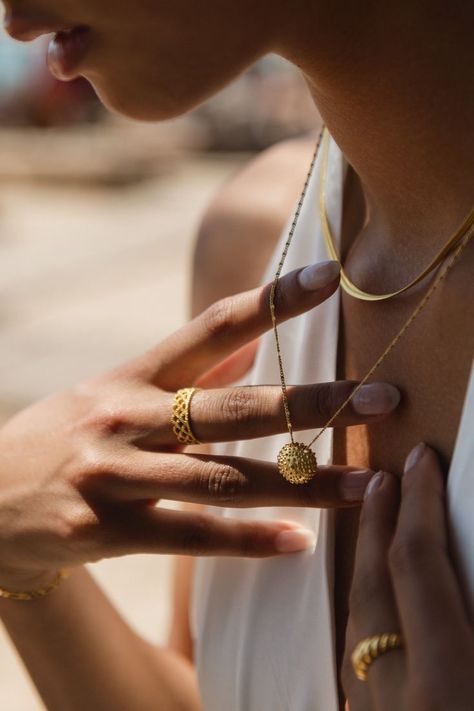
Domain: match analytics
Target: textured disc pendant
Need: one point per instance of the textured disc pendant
(297, 463)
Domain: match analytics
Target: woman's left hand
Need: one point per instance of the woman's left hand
(405, 582)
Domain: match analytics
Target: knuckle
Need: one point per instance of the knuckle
(323, 400)
(366, 591)
(91, 469)
(280, 297)
(240, 406)
(197, 538)
(223, 483)
(84, 465)
(76, 529)
(409, 552)
(82, 530)
(106, 421)
(219, 318)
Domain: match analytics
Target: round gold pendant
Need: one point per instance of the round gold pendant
(297, 463)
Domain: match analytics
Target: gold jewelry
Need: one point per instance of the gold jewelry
(180, 419)
(346, 284)
(39, 592)
(296, 461)
(369, 649)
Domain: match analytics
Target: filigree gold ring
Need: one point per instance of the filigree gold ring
(180, 419)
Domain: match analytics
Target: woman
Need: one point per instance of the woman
(393, 93)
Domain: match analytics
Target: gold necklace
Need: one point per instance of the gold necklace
(346, 284)
(297, 461)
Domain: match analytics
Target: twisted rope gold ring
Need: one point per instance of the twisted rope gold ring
(369, 649)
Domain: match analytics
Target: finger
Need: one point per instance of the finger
(224, 481)
(232, 322)
(357, 694)
(372, 605)
(155, 530)
(427, 591)
(232, 369)
(250, 412)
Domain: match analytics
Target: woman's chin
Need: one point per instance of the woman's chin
(149, 105)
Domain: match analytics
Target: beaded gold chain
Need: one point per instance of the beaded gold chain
(297, 461)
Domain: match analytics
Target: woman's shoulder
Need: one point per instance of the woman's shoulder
(244, 221)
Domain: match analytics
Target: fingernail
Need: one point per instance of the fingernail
(301, 539)
(354, 485)
(316, 276)
(415, 456)
(374, 484)
(376, 399)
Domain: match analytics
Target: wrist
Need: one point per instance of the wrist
(29, 584)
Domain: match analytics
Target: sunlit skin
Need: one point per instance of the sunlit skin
(393, 82)
(155, 60)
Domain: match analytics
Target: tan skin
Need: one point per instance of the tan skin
(396, 102)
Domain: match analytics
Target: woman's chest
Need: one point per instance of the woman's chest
(430, 365)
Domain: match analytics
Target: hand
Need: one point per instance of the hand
(79, 472)
(404, 581)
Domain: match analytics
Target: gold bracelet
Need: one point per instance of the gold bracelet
(40, 592)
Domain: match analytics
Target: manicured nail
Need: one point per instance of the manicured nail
(301, 539)
(354, 485)
(415, 456)
(374, 484)
(317, 276)
(376, 399)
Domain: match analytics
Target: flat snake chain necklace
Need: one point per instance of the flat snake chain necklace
(346, 284)
(297, 462)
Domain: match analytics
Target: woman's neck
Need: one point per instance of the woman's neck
(416, 164)
(395, 90)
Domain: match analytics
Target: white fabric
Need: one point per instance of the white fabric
(263, 630)
(461, 496)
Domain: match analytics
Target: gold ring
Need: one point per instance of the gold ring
(180, 419)
(370, 649)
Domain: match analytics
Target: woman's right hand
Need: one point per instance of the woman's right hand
(80, 472)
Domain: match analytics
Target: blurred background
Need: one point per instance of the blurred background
(98, 217)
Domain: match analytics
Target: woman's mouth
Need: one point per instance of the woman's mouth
(66, 52)
(67, 48)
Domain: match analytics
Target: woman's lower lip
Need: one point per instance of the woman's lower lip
(66, 52)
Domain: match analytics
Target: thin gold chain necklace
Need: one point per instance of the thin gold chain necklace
(297, 461)
(346, 284)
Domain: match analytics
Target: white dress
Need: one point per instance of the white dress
(264, 629)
